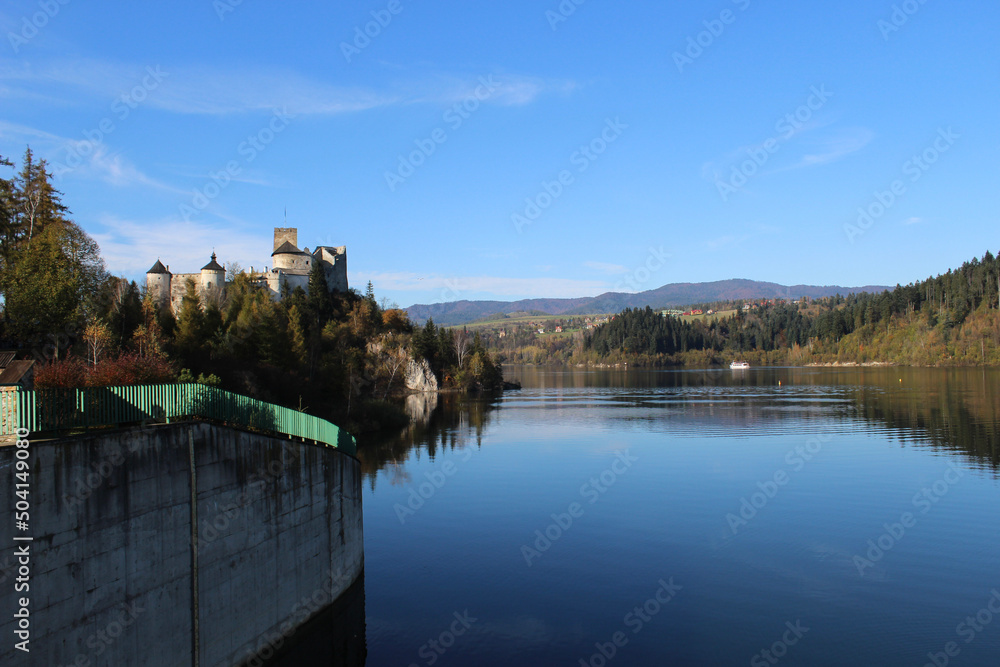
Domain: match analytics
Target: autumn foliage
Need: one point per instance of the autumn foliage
(128, 369)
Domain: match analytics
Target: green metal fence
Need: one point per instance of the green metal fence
(60, 410)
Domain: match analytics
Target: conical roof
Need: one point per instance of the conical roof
(213, 265)
(286, 248)
(158, 268)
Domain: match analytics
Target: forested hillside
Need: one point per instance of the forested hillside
(338, 355)
(953, 318)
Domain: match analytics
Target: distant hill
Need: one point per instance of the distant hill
(668, 296)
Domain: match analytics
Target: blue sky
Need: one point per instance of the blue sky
(516, 149)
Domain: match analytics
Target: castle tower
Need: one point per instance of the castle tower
(284, 235)
(158, 283)
(213, 280)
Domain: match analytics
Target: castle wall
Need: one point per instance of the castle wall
(335, 267)
(178, 288)
(282, 234)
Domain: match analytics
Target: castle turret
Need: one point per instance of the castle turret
(213, 279)
(158, 283)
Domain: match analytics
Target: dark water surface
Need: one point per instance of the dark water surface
(825, 516)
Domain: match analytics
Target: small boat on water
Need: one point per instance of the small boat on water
(739, 365)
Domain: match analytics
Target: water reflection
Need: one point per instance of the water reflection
(336, 638)
(440, 422)
(707, 439)
(954, 410)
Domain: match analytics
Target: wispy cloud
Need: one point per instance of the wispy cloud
(834, 148)
(603, 267)
(913, 221)
(210, 90)
(816, 145)
(472, 286)
(739, 239)
(80, 158)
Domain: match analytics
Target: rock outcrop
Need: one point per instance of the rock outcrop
(420, 377)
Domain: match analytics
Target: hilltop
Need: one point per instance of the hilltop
(667, 296)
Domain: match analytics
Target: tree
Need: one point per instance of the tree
(38, 204)
(190, 320)
(8, 218)
(148, 336)
(320, 303)
(298, 335)
(462, 343)
(98, 337)
(43, 290)
(125, 313)
(52, 271)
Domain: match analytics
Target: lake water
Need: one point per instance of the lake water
(792, 516)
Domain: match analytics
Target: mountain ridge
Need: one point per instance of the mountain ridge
(666, 296)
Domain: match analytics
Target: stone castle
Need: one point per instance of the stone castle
(291, 268)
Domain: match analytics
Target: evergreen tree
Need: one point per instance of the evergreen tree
(298, 335)
(190, 321)
(320, 303)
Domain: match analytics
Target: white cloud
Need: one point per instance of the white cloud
(130, 247)
(80, 158)
(217, 91)
(603, 267)
(850, 141)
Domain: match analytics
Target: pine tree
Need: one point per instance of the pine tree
(190, 320)
(298, 335)
(320, 303)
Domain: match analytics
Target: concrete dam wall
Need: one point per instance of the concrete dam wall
(177, 545)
